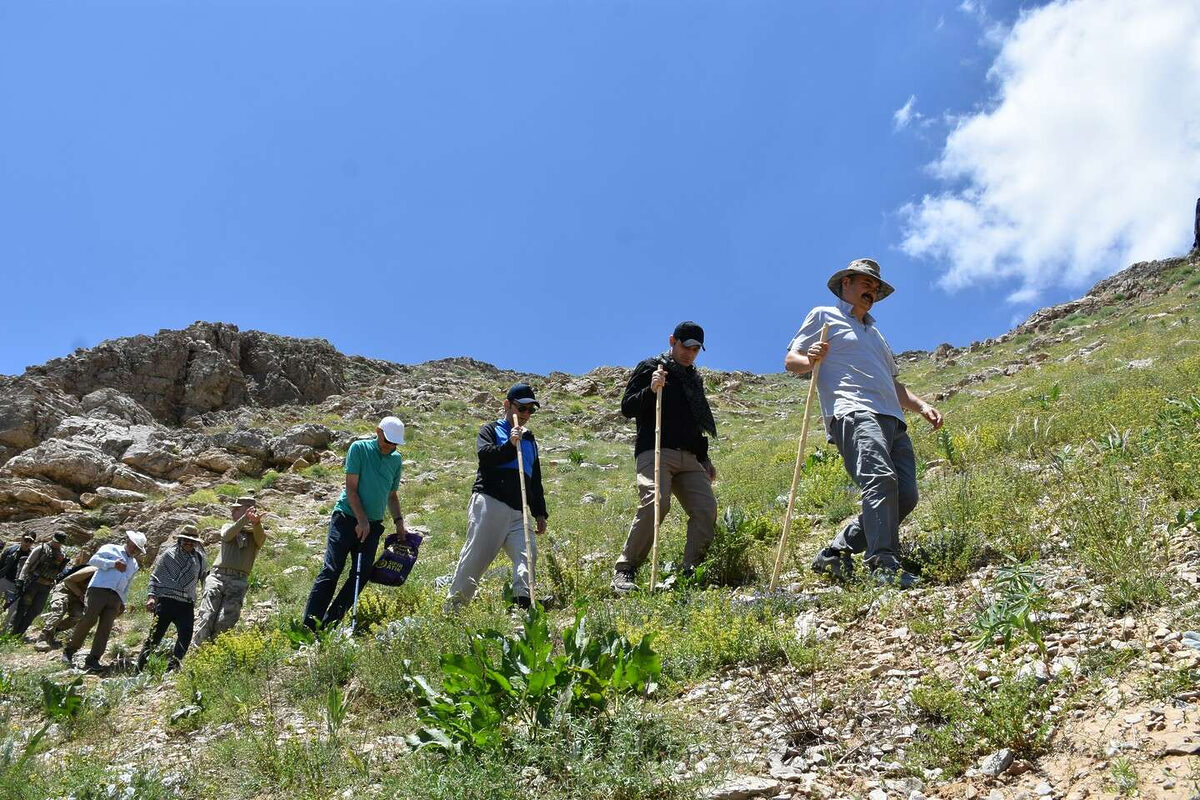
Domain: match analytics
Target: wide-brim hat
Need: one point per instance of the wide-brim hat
(190, 533)
(137, 538)
(860, 266)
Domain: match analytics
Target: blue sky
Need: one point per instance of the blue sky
(553, 185)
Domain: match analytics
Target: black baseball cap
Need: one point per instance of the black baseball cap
(522, 394)
(690, 334)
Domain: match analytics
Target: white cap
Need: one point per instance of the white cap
(393, 429)
(138, 538)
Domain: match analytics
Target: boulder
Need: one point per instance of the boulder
(248, 442)
(76, 526)
(112, 404)
(154, 452)
(107, 494)
(78, 465)
(300, 442)
(222, 461)
(107, 435)
(30, 409)
(23, 498)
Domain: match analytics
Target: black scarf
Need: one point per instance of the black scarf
(688, 378)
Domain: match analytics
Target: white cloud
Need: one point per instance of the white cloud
(1087, 159)
(906, 113)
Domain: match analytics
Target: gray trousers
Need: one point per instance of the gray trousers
(220, 606)
(681, 475)
(879, 457)
(101, 608)
(492, 525)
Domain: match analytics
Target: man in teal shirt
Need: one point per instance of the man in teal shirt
(372, 479)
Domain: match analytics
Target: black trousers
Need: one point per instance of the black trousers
(170, 612)
(29, 605)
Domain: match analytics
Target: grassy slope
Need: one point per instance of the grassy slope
(1076, 462)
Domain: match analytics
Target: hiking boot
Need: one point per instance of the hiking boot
(522, 602)
(622, 582)
(92, 665)
(68, 657)
(893, 576)
(45, 644)
(833, 562)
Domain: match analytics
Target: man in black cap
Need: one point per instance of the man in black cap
(495, 518)
(685, 469)
(863, 404)
(36, 579)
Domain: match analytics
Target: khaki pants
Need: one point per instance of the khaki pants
(220, 607)
(101, 608)
(681, 475)
(492, 526)
(65, 612)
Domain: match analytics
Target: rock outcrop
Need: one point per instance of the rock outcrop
(178, 374)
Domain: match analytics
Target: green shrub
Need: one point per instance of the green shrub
(966, 724)
(516, 682)
(231, 671)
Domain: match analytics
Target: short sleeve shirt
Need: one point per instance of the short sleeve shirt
(859, 372)
(378, 476)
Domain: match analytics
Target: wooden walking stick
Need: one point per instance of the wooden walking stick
(657, 485)
(787, 518)
(524, 512)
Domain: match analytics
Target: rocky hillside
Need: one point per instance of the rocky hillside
(1070, 447)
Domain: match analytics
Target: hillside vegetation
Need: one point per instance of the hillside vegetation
(1056, 538)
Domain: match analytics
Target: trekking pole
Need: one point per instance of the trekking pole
(525, 514)
(357, 589)
(657, 492)
(787, 519)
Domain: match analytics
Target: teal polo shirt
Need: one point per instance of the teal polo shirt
(378, 476)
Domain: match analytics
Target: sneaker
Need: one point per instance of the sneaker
(68, 657)
(891, 576)
(45, 645)
(833, 562)
(622, 582)
(91, 665)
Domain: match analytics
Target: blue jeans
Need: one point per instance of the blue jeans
(341, 543)
(879, 457)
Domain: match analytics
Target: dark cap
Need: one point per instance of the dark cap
(522, 394)
(60, 537)
(690, 334)
(29, 537)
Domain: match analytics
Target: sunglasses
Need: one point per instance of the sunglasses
(528, 408)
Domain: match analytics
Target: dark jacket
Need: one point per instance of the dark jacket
(11, 561)
(497, 474)
(680, 430)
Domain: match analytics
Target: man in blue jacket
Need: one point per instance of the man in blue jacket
(495, 519)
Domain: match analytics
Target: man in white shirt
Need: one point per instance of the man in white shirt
(115, 565)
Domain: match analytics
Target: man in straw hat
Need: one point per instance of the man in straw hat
(115, 564)
(171, 594)
(495, 518)
(373, 469)
(863, 405)
(36, 578)
(685, 469)
(225, 587)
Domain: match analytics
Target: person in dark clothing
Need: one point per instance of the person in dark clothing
(171, 594)
(495, 518)
(11, 561)
(36, 579)
(685, 469)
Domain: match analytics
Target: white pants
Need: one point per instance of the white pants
(491, 525)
